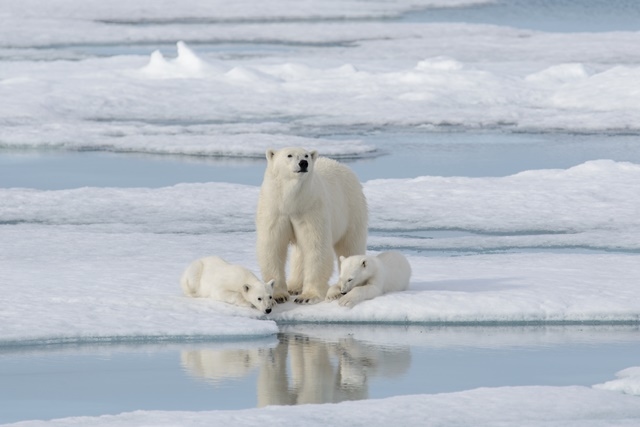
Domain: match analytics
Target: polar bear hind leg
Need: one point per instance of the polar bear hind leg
(190, 281)
(353, 243)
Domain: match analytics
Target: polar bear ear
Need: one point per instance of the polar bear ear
(342, 258)
(270, 154)
(314, 154)
(246, 288)
(271, 282)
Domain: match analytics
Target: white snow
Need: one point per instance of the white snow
(628, 382)
(504, 406)
(95, 262)
(217, 10)
(193, 101)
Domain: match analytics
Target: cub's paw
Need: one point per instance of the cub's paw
(333, 293)
(347, 301)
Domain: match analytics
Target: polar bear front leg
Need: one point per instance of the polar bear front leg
(296, 275)
(235, 298)
(334, 293)
(314, 241)
(272, 244)
(360, 293)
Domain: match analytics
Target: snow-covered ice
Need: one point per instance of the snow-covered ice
(96, 262)
(628, 382)
(504, 406)
(191, 100)
(188, 106)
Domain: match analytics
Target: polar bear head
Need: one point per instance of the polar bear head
(292, 162)
(355, 271)
(260, 295)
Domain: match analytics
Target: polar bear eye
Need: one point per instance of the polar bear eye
(290, 155)
(270, 297)
(350, 280)
(306, 156)
(259, 299)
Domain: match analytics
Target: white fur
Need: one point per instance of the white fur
(213, 277)
(364, 277)
(320, 212)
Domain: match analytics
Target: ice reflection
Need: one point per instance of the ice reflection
(308, 363)
(303, 368)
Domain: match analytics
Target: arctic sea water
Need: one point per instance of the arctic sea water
(352, 362)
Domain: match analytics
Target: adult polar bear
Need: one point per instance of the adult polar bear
(317, 205)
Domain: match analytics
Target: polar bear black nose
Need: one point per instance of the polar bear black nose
(303, 164)
(268, 310)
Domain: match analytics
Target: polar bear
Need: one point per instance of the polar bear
(317, 205)
(364, 277)
(213, 277)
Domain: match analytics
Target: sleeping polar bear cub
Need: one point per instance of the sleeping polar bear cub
(364, 277)
(213, 277)
(317, 205)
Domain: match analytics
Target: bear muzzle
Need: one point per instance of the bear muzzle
(304, 165)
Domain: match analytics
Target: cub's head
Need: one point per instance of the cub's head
(354, 271)
(294, 162)
(260, 295)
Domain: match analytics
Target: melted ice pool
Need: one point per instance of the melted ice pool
(305, 364)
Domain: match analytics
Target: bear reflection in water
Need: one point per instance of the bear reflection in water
(303, 369)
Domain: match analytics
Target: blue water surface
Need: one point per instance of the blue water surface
(400, 155)
(45, 382)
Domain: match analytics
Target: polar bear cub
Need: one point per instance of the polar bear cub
(317, 206)
(364, 277)
(213, 277)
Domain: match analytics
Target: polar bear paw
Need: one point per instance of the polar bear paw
(334, 293)
(307, 298)
(348, 300)
(280, 297)
(294, 289)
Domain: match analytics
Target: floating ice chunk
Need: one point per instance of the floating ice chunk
(250, 75)
(615, 89)
(628, 382)
(558, 74)
(291, 71)
(439, 63)
(187, 59)
(347, 69)
(186, 65)
(156, 64)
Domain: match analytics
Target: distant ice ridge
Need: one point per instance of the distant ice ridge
(141, 11)
(196, 106)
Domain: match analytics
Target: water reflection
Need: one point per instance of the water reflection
(218, 365)
(304, 364)
(303, 368)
